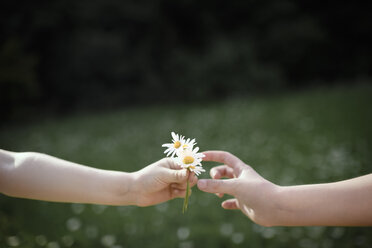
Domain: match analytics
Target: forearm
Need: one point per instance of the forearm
(42, 177)
(341, 203)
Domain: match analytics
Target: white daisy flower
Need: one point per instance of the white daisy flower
(187, 157)
(189, 144)
(197, 170)
(190, 159)
(176, 146)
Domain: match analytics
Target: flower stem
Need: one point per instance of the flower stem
(186, 200)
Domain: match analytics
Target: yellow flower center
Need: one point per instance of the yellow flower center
(188, 160)
(184, 147)
(177, 144)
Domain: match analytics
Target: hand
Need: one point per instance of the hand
(160, 182)
(254, 195)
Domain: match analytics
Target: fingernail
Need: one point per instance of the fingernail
(202, 183)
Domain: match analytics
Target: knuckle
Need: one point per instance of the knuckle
(214, 185)
(180, 176)
(166, 160)
(227, 154)
(235, 185)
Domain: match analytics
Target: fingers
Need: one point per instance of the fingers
(175, 173)
(192, 179)
(169, 163)
(220, 156)
(217, 186)
(221, 171)
(226, 158)
(179, 193)
(230, 204)
(176, 176)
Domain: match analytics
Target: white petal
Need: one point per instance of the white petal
(180, 153)
(200, 155)
(174, 136)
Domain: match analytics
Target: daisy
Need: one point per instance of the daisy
(187, 157)
(189, 144)
(177, 145)
(190, 159)
(197, 170)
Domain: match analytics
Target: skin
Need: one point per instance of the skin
(343, 203)
(43, 177)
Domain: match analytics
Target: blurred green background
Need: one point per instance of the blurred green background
(286, 86)
(316, 136)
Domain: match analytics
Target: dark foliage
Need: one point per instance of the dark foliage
(70, 54)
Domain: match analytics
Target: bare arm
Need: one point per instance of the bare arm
(42, 177)
(344, 203)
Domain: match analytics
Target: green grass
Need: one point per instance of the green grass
(313, 136)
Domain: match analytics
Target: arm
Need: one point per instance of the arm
(346, 203)
(42, 177)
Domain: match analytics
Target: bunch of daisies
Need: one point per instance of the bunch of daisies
(182, 152)
(186, 155)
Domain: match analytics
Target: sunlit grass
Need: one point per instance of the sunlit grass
(293, 138)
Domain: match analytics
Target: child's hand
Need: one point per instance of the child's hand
(160, 182)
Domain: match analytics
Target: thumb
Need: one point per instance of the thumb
(216, 186)
(177, 176)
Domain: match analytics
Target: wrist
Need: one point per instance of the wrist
(282, 212)
(125, 193)
(277, 205)
(267, 211)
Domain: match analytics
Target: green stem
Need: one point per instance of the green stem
(186, 200)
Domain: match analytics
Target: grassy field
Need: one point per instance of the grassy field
(313, 136)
